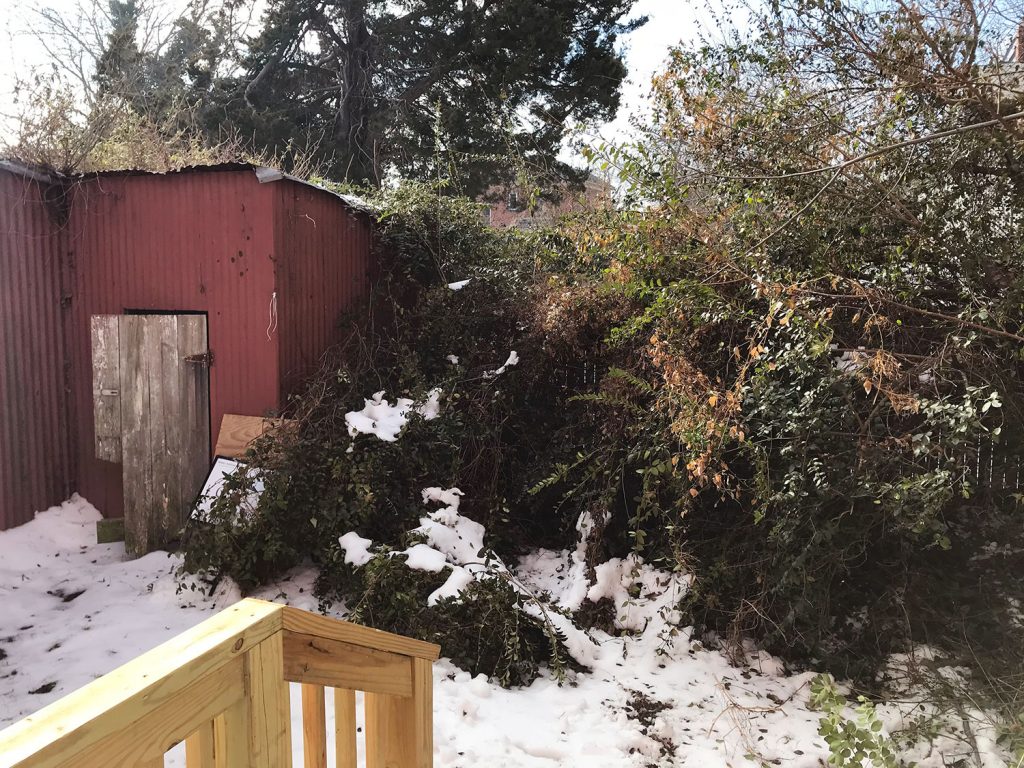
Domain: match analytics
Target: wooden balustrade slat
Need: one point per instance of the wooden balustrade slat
(314, 726)
(200, 750)
(345, 727)
(232, 736)
(269, 709)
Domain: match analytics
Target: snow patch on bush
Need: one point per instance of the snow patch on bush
(356, 549)
(378, 417)
(421, 557)
(513, 359)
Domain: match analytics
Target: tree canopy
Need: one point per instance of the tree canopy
(375, 85)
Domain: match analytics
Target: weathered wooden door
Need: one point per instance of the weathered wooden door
(151, 396)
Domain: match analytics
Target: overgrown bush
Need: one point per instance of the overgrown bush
(319, 482)
(783, 373)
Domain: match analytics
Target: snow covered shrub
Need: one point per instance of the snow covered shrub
(446, 381)
(484, 629)
(449, 586)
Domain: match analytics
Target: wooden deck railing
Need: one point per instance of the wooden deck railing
(222, 687)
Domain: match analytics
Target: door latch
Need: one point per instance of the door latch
(205, 358)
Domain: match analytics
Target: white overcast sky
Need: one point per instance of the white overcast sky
(671, 21)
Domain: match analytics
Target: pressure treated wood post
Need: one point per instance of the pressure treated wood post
(400, 729)
(269, 726)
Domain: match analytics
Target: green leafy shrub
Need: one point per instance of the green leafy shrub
(851, 743)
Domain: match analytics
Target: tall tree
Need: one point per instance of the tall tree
(372, 85)
(121, 58)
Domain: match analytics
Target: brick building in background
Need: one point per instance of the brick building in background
(510, 206)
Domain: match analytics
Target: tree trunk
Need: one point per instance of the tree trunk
(355, 134)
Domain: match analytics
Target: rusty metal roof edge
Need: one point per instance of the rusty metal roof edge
(29, 172)
(267, 175)
(264, 174)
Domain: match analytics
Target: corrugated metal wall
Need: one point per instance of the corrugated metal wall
(184, 242)
(322, 273)
(35, 462)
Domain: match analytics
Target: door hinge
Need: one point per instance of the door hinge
(205, 358)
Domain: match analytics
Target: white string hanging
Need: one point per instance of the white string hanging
(272, 324)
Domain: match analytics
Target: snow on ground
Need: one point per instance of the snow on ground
(73, 610)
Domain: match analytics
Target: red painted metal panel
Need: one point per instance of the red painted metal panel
(185, 242)
(35, 462)
(323, 268)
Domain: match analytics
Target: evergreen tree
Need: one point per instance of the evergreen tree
(371, 85)
(118, 67)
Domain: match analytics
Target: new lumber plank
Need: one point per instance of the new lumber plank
(322, 661)
(200, 747)
(345, 727)
(270, 741)
(58, 732)
(296, 620)
(314, 726)
(399, 731)
(237, 433)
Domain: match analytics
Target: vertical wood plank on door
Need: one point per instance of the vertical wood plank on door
(106, 387)
(136, 462)
(195, 414)
(165, 424)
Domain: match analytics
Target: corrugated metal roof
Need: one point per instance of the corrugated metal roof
(29, 172)
(266, 175)
(263, 173)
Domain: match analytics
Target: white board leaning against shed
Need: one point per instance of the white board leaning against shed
(151, 411)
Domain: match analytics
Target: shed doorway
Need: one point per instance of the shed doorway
(151, 412)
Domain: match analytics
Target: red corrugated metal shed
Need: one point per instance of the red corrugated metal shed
(273, 266)
(35, 465)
